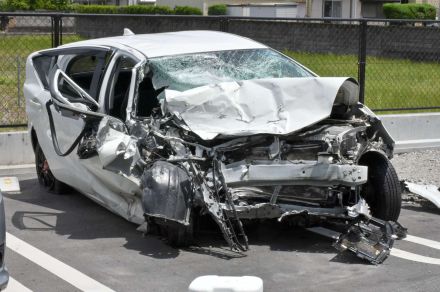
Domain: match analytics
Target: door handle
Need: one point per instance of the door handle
(35, 102)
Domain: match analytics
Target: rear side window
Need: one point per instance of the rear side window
(42, 65)
(82, 64)
(86, 70)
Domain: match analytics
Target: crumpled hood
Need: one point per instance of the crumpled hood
(265, 106)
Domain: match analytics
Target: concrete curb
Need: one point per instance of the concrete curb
(412, 132)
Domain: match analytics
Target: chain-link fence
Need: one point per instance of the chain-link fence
(397, 63)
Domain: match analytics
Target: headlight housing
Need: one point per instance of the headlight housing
(348, 93)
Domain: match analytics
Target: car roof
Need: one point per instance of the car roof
(176, 43)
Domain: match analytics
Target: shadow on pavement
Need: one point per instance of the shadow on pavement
(80, 218)
(428, 208)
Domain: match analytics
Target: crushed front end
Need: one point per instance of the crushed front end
(305, 178)
(210, 152)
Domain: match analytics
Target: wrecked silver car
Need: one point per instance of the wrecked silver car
(164, 129)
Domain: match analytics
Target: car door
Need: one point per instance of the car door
(64, 167)
(37, 92)
(93, 141)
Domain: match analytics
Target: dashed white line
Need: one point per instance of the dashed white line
(15, 286)
(423, 241)
(414, 257)
(56, 267)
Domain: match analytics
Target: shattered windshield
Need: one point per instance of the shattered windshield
(184, 72)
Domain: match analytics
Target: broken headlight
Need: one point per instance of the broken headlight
(348, 93)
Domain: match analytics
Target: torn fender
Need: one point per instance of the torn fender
(266, 106)
(117, 151)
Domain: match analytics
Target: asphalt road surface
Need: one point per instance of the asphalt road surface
(69, 243)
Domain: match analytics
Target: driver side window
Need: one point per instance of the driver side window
(86, 70)
(119, 87)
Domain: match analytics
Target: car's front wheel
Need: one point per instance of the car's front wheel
(383, 191)
(45, 175)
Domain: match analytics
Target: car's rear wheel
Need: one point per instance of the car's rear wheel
(45, 175)
(383, 191)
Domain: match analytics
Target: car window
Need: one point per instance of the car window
(82, 64)
(119, 87)
(184, 72)
(68, 91)
(86, 70)
(42, 65)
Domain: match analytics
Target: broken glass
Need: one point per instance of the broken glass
(184, 72)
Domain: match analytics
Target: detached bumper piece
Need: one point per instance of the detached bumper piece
(371, 239)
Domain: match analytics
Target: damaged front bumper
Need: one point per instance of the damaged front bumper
(281, 211)
(265, 173)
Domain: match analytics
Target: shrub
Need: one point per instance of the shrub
(187, 10)
(145, 9)
(162, 10)
(409, 11)
(3, 6)
(219, 9)
(99, 9)
(12, 5)
(49, 4)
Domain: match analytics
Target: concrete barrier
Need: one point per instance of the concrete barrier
(412, 132)
(16, 148)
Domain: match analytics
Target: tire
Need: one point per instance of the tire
(382, 191)
(44, 174)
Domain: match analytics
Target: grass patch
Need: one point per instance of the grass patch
(390, 83)
(14, 50)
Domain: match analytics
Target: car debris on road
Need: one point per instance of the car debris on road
(172, 128)
(427, 192)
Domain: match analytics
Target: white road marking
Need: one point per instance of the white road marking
(15, 286)
(56, 267)
(423, 241)
(414, 257)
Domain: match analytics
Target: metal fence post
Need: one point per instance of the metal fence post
(362, 59)
(61, 30)
(56, 31)
(224, 24)
(18, 80)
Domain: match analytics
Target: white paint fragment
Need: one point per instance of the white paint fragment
(9, 184)
(264, 106)
(213, 283)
